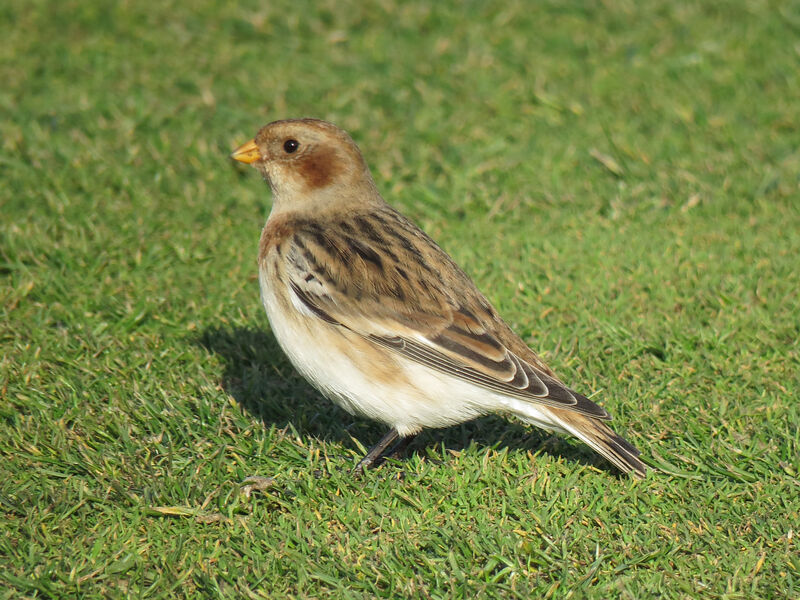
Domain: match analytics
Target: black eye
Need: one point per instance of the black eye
(290, 146)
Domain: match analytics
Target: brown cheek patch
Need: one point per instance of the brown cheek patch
(320, 168)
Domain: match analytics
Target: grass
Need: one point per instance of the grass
(621, 178)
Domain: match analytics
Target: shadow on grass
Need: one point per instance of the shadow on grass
(262, 380)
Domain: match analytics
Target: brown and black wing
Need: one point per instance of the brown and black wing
(378, 275)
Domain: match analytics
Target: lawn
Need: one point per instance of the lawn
(622, 179)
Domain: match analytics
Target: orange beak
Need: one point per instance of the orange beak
(247, 153)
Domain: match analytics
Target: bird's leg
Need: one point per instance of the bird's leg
(400, 447)
(375, 452)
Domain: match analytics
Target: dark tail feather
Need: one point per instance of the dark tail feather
(602, 439)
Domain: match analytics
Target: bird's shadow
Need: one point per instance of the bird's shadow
(262, 380)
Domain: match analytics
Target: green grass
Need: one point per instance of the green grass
(621, 178)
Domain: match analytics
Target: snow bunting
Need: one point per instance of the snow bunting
(381, 320)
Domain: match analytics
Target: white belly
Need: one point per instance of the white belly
(347, 369)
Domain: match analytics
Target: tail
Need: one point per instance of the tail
(596, 434)
(603, 440)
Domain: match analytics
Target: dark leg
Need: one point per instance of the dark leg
(400, 447)
(375, 452)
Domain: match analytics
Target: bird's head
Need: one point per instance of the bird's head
(309, 164)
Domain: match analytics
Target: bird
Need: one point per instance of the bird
(382, 321)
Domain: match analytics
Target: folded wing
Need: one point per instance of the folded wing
(380, 285)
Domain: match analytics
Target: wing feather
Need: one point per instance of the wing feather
(389, 293)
